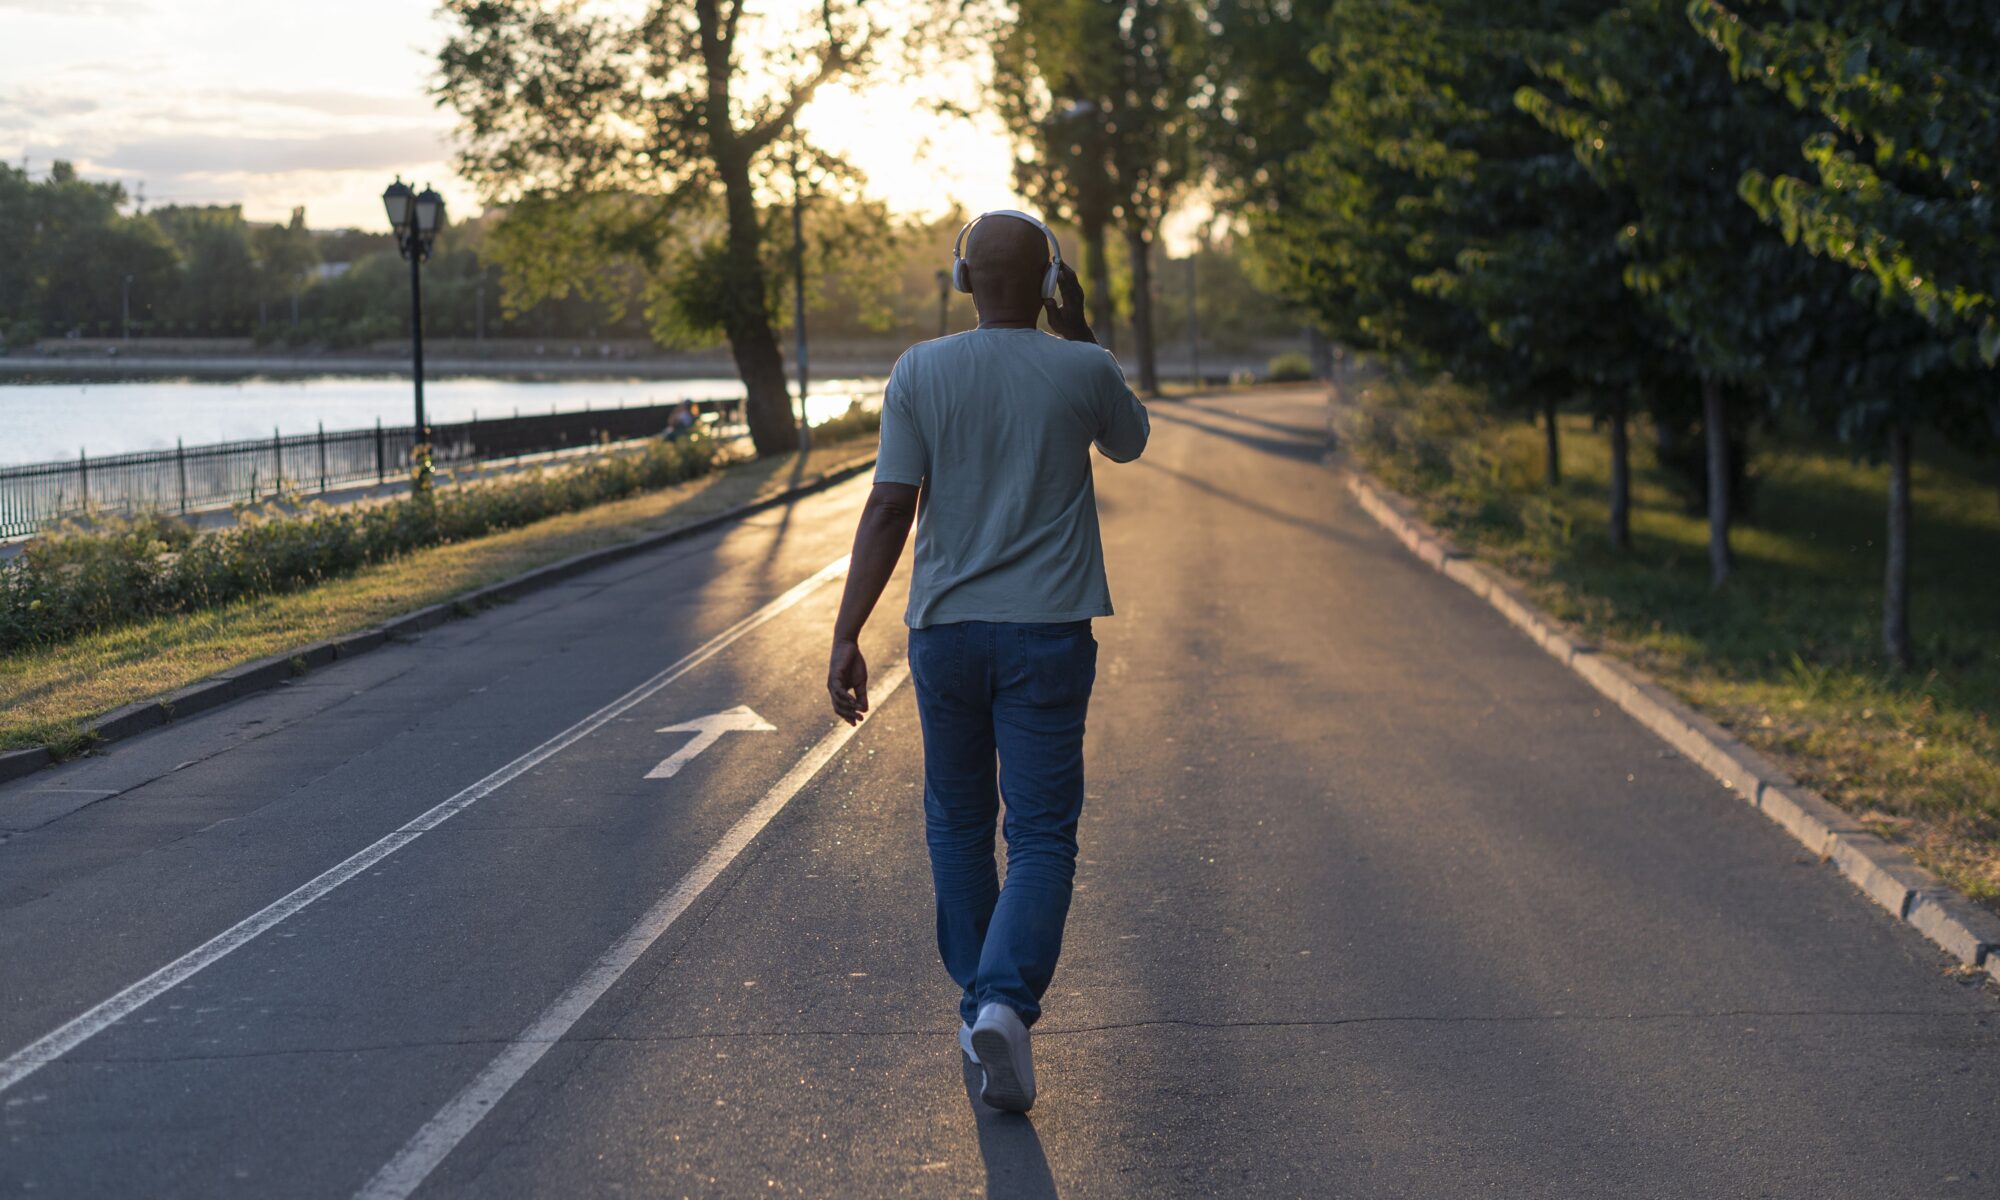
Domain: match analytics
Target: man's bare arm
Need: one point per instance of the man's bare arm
(878, 543)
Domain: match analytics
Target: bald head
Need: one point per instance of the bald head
(1006, 258)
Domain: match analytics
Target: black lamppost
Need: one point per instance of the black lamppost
(416, 218)
(799, 295)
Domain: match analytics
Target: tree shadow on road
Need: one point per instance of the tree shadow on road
(818, 458)
(1292, 429)
(1305, 445)
(1322, 529)
(1016, 1168)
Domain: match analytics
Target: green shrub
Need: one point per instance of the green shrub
(1444, 442)
(1290, 367)
(19, 333)
(855, 422)
(115, 571)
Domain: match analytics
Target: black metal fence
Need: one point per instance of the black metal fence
(196, 477)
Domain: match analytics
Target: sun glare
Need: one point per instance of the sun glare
(916, 160)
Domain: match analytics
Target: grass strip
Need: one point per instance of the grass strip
(47, 695)
(1788, 655)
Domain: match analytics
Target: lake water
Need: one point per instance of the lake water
(43, 421)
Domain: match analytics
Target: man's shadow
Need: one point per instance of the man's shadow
(1016, 1168)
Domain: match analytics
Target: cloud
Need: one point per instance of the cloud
(36, 106)
(327, 102)
(105, 71)
(216, 146)
(122, 9)
(206, 154)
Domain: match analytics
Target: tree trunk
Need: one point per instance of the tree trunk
(1896, 573)
(1552, 442)
(1715, 433)
(1993, 419)
(1323, 356)
(1621, 478)
(1139, 250)
(754, 344)
(1099, 303)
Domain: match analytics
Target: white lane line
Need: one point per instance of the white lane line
(68, 1036)
(421, 1155)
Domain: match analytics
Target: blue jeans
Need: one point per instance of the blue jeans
(1018, 692)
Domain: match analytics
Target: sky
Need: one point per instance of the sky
(306, 102)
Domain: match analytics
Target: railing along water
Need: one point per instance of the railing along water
(189, 478)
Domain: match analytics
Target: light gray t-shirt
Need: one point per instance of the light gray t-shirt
(997, 425)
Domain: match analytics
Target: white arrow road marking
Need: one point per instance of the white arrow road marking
(428, 1147)
(103, 1015)
(707, 731)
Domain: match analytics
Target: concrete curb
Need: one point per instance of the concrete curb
(16, 763)
(1885, 874)
(264, 673)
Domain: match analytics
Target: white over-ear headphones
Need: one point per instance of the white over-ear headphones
(961, 280)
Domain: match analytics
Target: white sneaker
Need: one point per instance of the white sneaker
(965, 1043)
(1000, 1043)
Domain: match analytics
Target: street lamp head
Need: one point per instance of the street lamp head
(430, 216)
(399, 200)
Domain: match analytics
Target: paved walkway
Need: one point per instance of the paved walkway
(1376, 901)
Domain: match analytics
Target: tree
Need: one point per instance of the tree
(1418, 222)
(1417, 211)
(1264, 72)
(65, 253)
(1648, 111)
(1041, 88)
(217, 289)
(1550, 290)
(1539, 264)
(1262, 75)
(1758, 318)
(1355, 232)
(283, 258)
(1902, 169)
(1152, 133)
(645, 140)
(1097, 94)
(1900, 191)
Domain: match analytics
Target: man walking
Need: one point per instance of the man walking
(986, 440)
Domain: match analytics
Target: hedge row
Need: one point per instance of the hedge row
(114, 572)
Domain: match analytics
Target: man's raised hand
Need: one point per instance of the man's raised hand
(1067, 321)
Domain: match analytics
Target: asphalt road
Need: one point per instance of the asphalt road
(1376, 900)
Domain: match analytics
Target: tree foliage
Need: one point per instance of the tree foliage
(1902, 169)
(1098, 96)
(644, 140)
(65, 250)
(1712, 211)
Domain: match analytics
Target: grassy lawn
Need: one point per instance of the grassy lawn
(47, 695)
(1788, 656)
